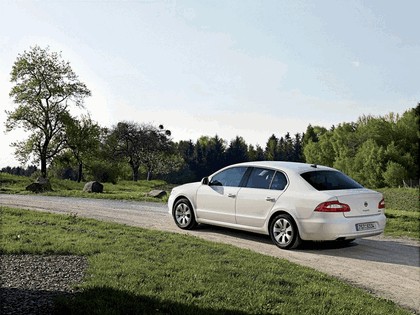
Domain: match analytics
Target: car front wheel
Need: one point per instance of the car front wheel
(183, 214)
(283, 231)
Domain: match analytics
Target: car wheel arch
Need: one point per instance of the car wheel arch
(189, 200)
(280, 211)
(183, 213)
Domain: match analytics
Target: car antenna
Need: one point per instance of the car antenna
(314, 165)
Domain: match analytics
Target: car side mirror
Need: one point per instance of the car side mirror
(205, 181)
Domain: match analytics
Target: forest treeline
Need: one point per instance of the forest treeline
(377, 151)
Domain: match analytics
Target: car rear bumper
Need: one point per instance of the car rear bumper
(333, 226)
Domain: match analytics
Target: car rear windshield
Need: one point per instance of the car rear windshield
(330, 180)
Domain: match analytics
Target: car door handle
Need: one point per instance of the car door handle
(231, 196)
(270, 199)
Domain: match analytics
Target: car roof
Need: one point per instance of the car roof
(286, 166)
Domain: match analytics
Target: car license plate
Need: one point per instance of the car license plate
(365, 226)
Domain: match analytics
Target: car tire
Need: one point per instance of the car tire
(284, 232)
(183, 214)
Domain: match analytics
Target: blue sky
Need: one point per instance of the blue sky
(248, 68)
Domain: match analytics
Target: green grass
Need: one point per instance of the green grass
(138, 271)
(126, 190)
(400, 223)
(402, 212)
(13, 184)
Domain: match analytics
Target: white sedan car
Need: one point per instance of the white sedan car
(288, 201)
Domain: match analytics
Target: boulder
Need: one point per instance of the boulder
(40, 185)
(93, 186)
(157, 193)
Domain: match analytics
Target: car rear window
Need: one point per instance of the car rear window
(330, 180)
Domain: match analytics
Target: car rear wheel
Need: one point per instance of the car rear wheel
(284, 232)
(183, 214)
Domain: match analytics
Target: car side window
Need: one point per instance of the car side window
(279, 181)
(260, 178)
(231, 177)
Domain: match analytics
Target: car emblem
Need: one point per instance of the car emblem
(366, 204)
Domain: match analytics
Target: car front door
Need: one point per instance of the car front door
(255, 201)
(217, 201)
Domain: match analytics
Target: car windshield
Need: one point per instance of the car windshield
(330, 180)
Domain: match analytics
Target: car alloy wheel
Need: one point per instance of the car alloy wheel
(183, 214)
(283, 232)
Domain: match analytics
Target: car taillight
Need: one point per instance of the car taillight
(332, 206)
(381, 204)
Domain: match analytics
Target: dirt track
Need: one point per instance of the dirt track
(386, 267)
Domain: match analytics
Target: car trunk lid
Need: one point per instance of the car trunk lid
(362, 202)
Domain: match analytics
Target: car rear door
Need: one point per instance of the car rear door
(255, 201)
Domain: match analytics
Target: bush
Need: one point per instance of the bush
(395, 174)
(103, 172)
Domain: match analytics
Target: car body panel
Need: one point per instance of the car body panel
(253, 205)
(216, 203)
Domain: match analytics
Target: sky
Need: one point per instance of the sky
(231, 68)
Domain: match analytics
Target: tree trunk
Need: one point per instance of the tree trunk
(135, 172)
(149, 174)
(80, 173)
(44, 166)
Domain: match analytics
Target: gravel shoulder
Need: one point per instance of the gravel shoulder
(29, 283)
(386, 267)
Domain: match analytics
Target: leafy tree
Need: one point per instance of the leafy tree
(376, 151)
(345, 144)
(272, 149)
(208, 156)
(309, 135)
(20, 170)
(199, 163)
(378, 129)
(369, 164)
(168, 164)
(139, 144)
(288, 151)
(62, 166)
(237, 151)
(44, 88)
(281, 152)
(124, 142)
(320, 152)
(106, 171)
(82, 138)
(313, 134)
(395, 174)
(156, 149)
(255, 154)
(186, 150)
(215, 154)
(407, 136)
(297, 149)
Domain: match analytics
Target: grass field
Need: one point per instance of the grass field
(126, 190)
(402, 212)
(137, 271)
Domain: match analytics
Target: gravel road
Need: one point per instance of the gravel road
(386, 267)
